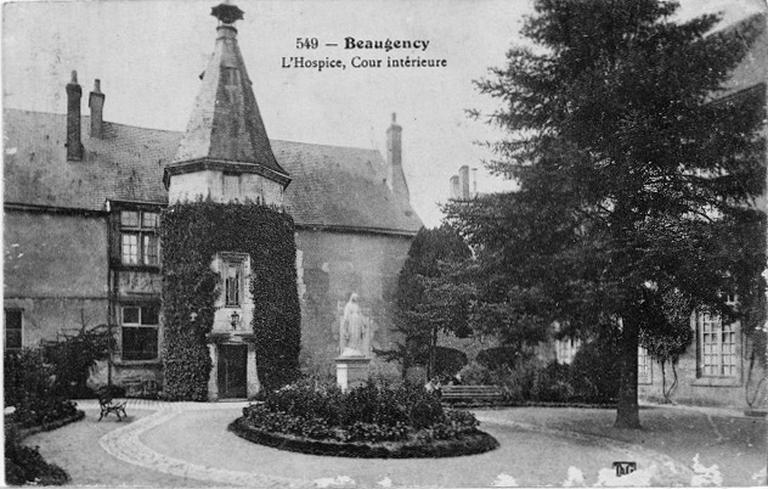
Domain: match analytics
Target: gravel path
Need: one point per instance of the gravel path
(186, 444)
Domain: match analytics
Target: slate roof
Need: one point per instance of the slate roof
(753, 69)
(331, 186)
(225, 123)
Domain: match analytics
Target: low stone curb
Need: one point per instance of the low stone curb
(475, 443)
(755, 413)
(504, 405)
(124, 443)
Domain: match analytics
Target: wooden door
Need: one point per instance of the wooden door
(232, 371)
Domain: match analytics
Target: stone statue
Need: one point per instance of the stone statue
(355, 333)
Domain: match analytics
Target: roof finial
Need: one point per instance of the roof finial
(226, 12)
(74, 77)
(394, 117)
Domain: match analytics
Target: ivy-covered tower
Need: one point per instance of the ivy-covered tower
(228, 250)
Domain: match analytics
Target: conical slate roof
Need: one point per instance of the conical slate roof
(225, 125)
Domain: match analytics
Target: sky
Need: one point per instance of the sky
(148, 55)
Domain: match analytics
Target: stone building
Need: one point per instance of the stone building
(82, 203)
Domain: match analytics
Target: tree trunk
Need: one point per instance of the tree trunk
(627, 412)
(431, 361)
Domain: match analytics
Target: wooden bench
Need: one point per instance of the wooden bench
(109, 405)
(471, 394)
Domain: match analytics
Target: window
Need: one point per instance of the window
(233, 279)
(130, 253)
(717, 346)
(643, 366)
(139, 331)
(12, 329)
(139, 244)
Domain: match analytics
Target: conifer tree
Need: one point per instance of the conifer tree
(428, 298)
(635, 177)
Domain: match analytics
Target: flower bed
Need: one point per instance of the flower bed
(375, 420)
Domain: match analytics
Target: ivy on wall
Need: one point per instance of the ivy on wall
(192, 233)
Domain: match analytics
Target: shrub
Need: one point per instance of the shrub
(595, 371)
(74, 358)
(448, 361)
(475, 373)
(517, 381)
(29, 387)
(553, 384)
(373, 412)
(25, 465)
(24, 374)
(498, 357)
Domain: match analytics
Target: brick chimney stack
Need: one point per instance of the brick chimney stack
(464, 182)
(74, 144)
(394, 147)
(455, 191)
(396, 177)
(96, 103)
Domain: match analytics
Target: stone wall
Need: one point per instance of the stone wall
(694, 388)
(331, 266)
(219, 187)
(56, 271)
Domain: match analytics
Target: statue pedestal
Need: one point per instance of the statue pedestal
(351, 371)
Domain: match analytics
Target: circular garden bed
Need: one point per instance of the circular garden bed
(372, 421)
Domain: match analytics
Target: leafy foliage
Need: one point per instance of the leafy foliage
(29, 386)
(594, 369)
(192, 234)
(74, 357)
(429, 296)
(448, 361)
(373, 412)
(25, 465)
(631, 181)
(590, 378)
(497, 357)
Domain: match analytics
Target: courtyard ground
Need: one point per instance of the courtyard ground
(187, 445)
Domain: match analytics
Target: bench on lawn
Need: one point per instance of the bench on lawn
(471, 393)
(109, 405)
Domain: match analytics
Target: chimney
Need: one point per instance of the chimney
(396, 177)
(394, 149)
(96, 103)
(464, 182)
(74, 144)
(455, 192)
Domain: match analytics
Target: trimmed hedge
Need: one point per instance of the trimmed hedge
(469, 444)
(192, 233)
(373, 420)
